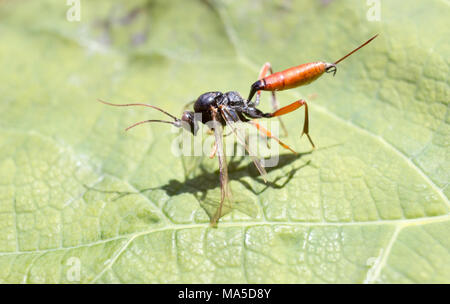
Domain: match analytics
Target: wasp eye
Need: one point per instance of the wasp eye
(189, 123)
(187, 116)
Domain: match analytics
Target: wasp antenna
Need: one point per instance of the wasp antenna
(176, 124)
(137, 104)
(362, 45)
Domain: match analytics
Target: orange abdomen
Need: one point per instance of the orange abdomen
(294, 77)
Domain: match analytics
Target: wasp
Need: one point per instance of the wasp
(218, 110)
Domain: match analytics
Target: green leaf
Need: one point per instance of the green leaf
(369, 205)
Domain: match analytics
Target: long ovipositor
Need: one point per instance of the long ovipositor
(297, 76)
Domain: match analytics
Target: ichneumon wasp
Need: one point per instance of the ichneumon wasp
(227, 109)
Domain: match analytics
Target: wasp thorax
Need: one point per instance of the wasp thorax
(206, 100)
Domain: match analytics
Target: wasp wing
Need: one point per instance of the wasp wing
(224, 188)
(186, 106)
(231, 122)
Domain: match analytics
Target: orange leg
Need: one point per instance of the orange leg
(213, 151)
(292, 107)
(267, 67)
(270, 135)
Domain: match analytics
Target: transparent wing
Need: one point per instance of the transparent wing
(232, 124)
(186, 106)
(224, 189)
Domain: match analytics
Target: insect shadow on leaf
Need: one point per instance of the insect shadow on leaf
(204, 181)
(207, 180)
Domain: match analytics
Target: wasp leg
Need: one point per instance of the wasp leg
(262, 73)
(213, 151)
(270, 135)
(292, 107)
(223, 169)
(253, 112)
(214, 148)
(267, 67)
(231, 122)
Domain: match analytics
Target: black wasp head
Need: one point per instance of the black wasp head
(188, 122)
